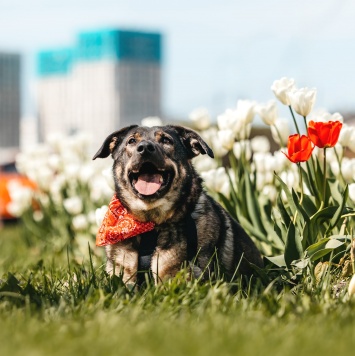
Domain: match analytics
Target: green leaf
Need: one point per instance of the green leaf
(253, 205)
(344, 238)
(314, 248)
(314, 227)
(334, 243)
(324, 247)
(336, 194)
(339, 211)
(299, 207)
(252, 229)
(284, 214)
(302, 263)
(311, 179)
(320, 254)
(293, 248)
(307, 178)
(228, 205)
(288, 194)
(309, 205)
(279, 260)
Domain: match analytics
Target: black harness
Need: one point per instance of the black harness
(148, 245)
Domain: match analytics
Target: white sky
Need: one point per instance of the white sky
(215, 52)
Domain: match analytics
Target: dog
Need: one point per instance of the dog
(156, 182)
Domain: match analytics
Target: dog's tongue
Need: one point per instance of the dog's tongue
(148, 184)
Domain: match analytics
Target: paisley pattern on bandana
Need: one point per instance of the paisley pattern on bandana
(119, 224)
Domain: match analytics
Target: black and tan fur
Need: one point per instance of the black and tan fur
(170, 149)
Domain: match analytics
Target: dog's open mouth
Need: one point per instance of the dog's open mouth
(150, 180)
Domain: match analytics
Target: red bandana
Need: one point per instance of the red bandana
(119, 224)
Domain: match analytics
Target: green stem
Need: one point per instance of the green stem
(301, 186)
(294, 120)
(301, 182)
(339, 163)
(325, 173)
(305, 124)
(279, 136)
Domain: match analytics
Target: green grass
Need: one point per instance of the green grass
(51, 307)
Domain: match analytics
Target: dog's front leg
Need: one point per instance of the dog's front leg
(122, 259)
(170, 254)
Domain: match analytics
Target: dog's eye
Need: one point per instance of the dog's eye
(131, 141)
(166, 141)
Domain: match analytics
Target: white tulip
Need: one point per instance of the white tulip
(260, 144)
(240, 147)
(151, 121)
(351, 143)
(226, 138)
(334, 166)
(260, 181)
(238, 120)
(324, 116)
(107, 173)
(217, 148)
(351, 288)
(72, 171)
(57, 185)
(200, 118)
(280, 161)
(270, 191)
(44, 177)
(20, 196)
(291, 179)
(336, 151)
(228, 120)
(345, 135)
(209, 134)
(217, 180)
(302, 100)
(245, 110)
(37, 215)
(73, 205)
(348, 169)
(100, 189)
(54, 162)
(269, 177)
(259, 160)
(86, 172)
(352, 191)
(100, 214)
(281, 130)
(281, 88)
(80, 222)
(203, 163)
(268, 112)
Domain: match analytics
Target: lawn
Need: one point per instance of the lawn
(52, 305)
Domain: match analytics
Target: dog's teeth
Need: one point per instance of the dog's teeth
(161, 180)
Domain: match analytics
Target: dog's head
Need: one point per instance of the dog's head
(152, 165)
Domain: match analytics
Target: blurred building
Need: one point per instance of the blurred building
(108, 80)
(10, 105)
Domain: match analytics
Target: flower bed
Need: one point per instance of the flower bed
(297, 203)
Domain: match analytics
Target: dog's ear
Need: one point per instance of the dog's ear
(193, 142)
(112, 141)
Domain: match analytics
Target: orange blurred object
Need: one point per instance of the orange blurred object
(5, 178)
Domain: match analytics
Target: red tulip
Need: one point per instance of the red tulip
(299, 148)
(324, 134)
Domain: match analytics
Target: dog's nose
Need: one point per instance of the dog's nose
(145, 147)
